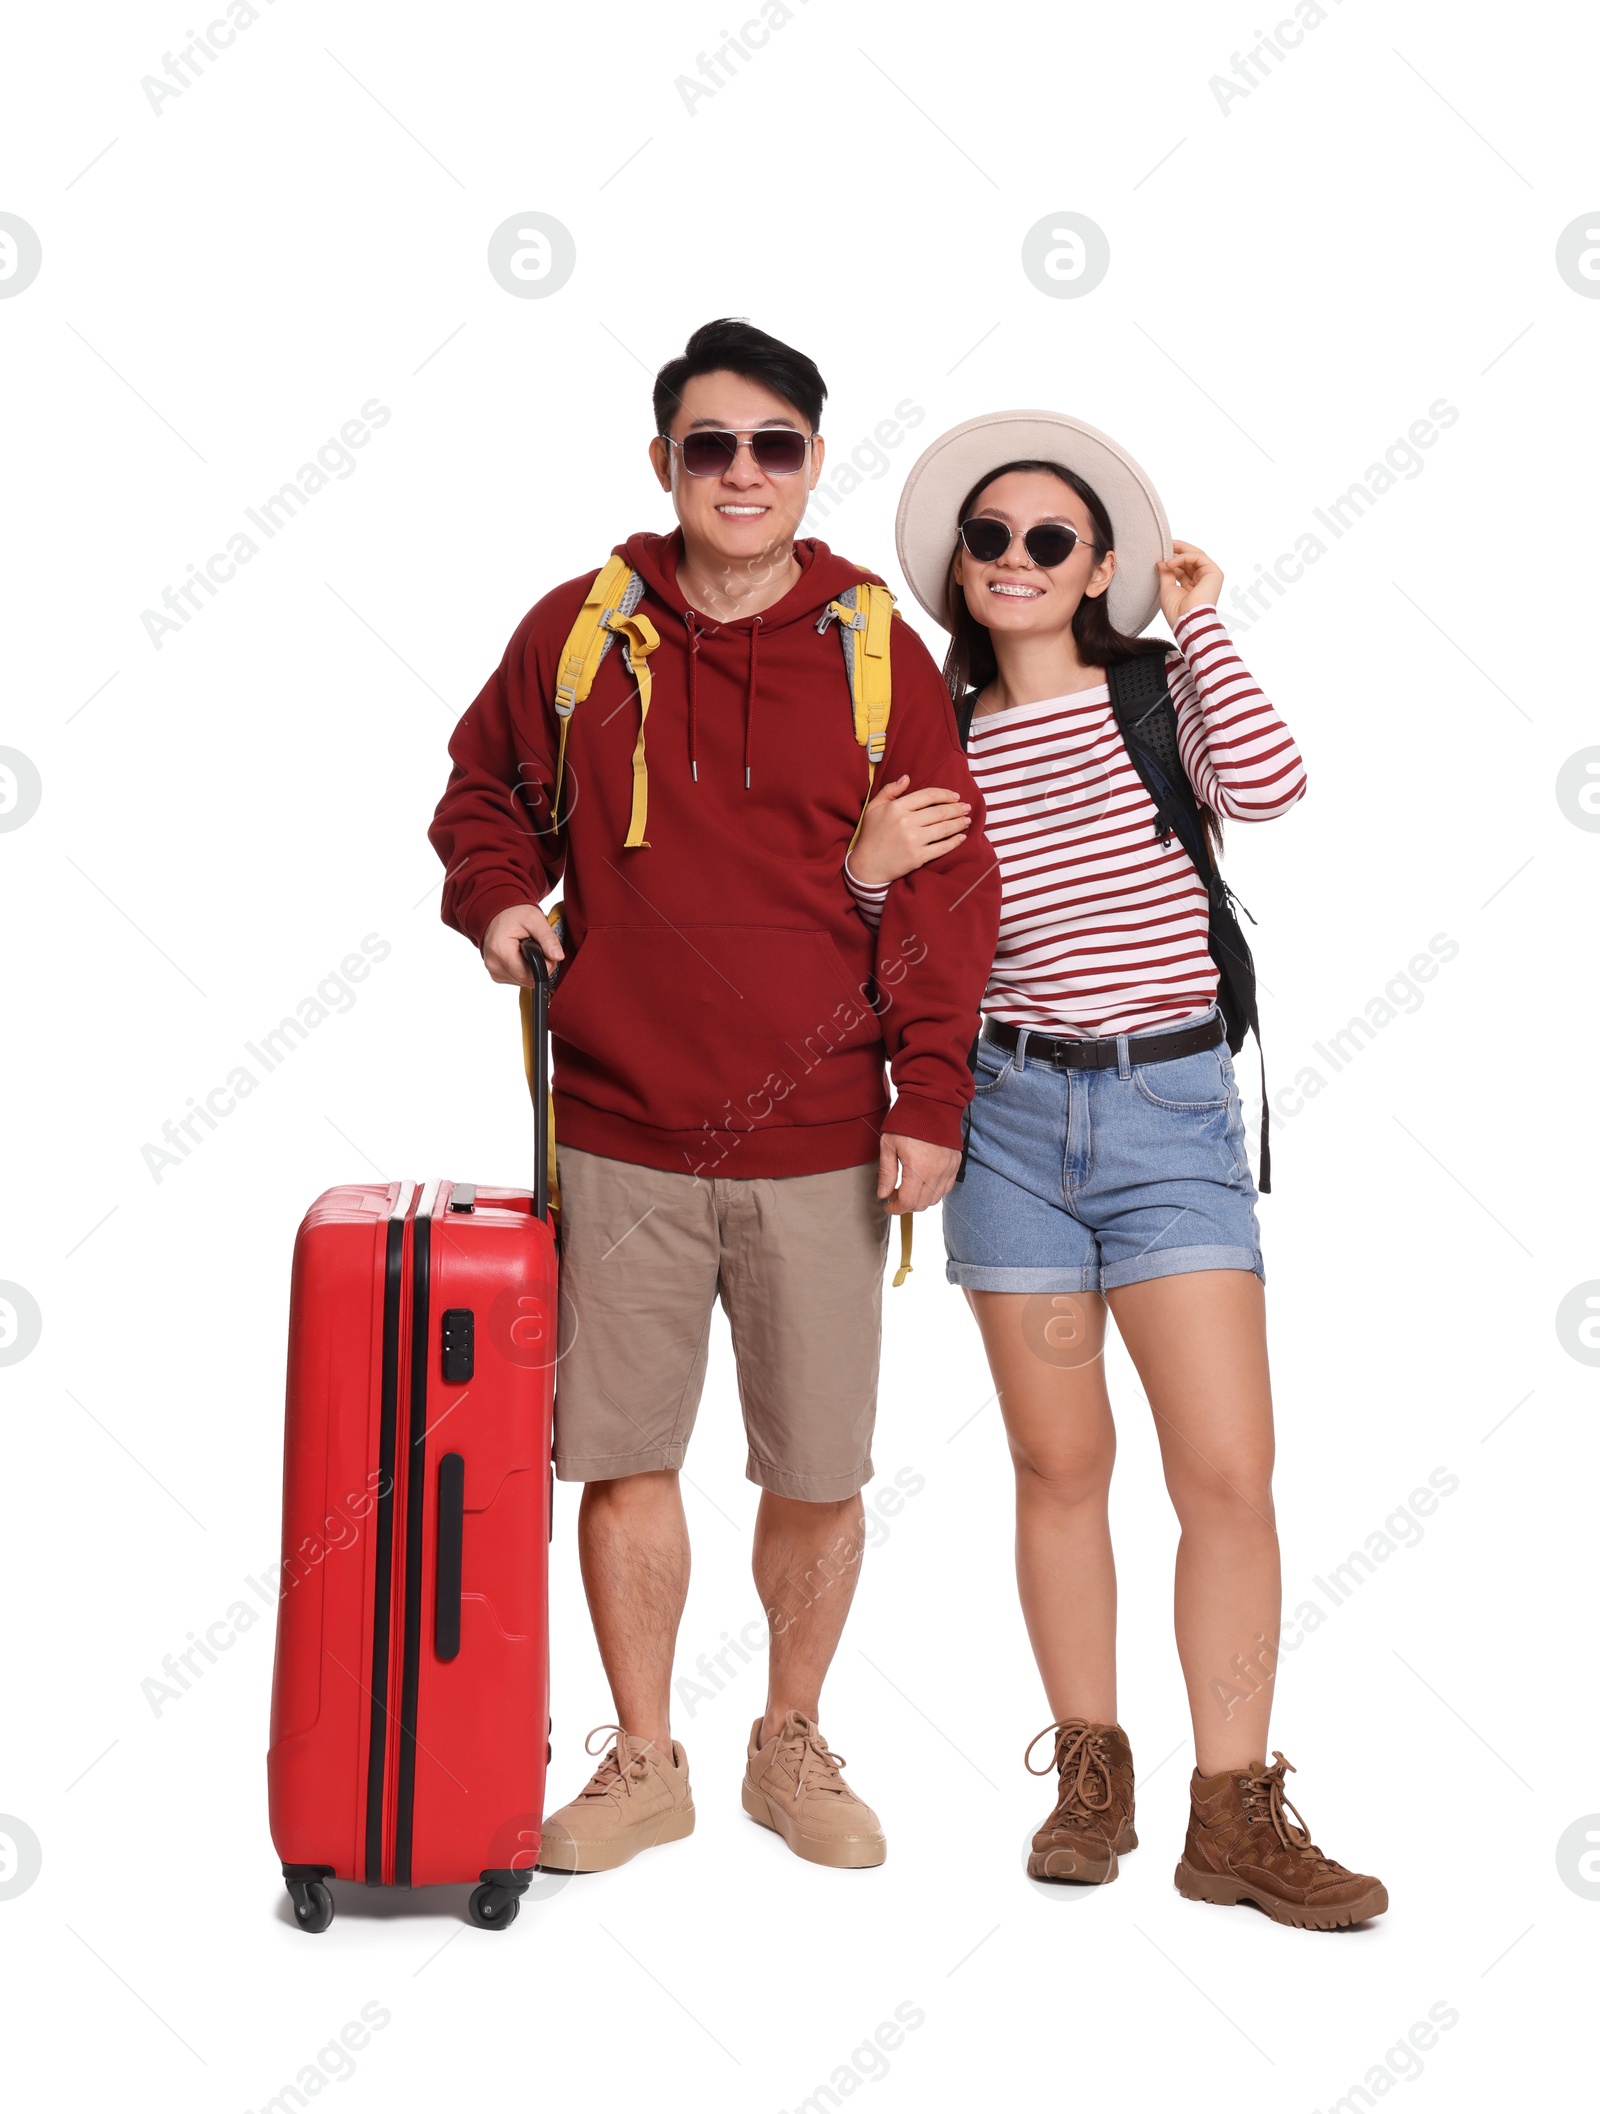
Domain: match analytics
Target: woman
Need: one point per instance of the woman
(1106, 1163)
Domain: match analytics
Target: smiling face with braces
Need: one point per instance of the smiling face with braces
(1013, 592)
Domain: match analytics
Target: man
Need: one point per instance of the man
(720, 1032)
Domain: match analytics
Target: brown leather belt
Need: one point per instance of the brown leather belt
(1099, 1053)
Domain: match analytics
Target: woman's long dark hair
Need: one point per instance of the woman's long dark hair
(970, 662)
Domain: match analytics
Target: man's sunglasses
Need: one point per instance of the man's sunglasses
(711, 452)
(1049, 544)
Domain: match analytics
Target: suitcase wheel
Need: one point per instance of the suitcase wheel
(491, 1907)
(313, 1904)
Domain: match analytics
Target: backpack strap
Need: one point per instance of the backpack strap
(863, 615)
(608, 612)
(639, 640)
(1148, 723)
(904, 1270)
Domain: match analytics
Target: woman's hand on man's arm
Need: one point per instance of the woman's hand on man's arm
(902, 831)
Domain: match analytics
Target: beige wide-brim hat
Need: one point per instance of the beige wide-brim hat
(948, 468)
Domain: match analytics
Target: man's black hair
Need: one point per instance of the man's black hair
(733, 346)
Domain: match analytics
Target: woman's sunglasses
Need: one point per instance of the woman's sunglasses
(1049, 544)
(711, 452)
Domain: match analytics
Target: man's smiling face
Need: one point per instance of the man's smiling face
(744, 514)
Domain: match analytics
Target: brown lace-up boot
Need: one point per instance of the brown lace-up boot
(1243, 1845)
(1093, 1819)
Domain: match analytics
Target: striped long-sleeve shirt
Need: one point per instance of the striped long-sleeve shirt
(1103, 929)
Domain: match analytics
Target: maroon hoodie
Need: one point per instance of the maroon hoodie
(724, 1008)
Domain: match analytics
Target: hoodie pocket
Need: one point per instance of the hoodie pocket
(680, 1027)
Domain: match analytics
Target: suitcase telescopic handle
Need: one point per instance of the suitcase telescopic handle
(536, 1051)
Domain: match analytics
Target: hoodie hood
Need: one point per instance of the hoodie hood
(823, 576)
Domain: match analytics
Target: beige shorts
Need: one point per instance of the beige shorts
(798, 1265)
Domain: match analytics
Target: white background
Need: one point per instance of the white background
(1371, 228)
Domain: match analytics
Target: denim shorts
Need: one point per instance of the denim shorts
(1084, 1181)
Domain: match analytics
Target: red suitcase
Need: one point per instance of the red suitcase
(410, 1696)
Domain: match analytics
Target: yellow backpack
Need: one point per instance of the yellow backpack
(610, 611)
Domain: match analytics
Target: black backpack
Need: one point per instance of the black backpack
(1148, 723)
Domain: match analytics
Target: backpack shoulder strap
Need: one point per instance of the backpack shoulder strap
(1148, 723)
(864, 614)
(1147, 720)
(616, 593)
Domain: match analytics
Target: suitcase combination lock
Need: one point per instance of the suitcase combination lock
(457, 1344)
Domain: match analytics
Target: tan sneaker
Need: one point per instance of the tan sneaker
(793, 1786)
(1092, 1823)
(1242, 1845)
(638, 1797)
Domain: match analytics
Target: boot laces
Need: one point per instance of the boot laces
(1266, 1801)
(1082, 1762)
(619, 1772)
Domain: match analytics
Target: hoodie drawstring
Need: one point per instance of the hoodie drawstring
(694, 655)
(750, 699)
(695, 634)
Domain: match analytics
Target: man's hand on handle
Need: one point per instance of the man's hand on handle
(912, 1174)
(502, 943)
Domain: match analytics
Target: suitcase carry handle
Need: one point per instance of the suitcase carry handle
(536, 1055)
(447, 1556)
